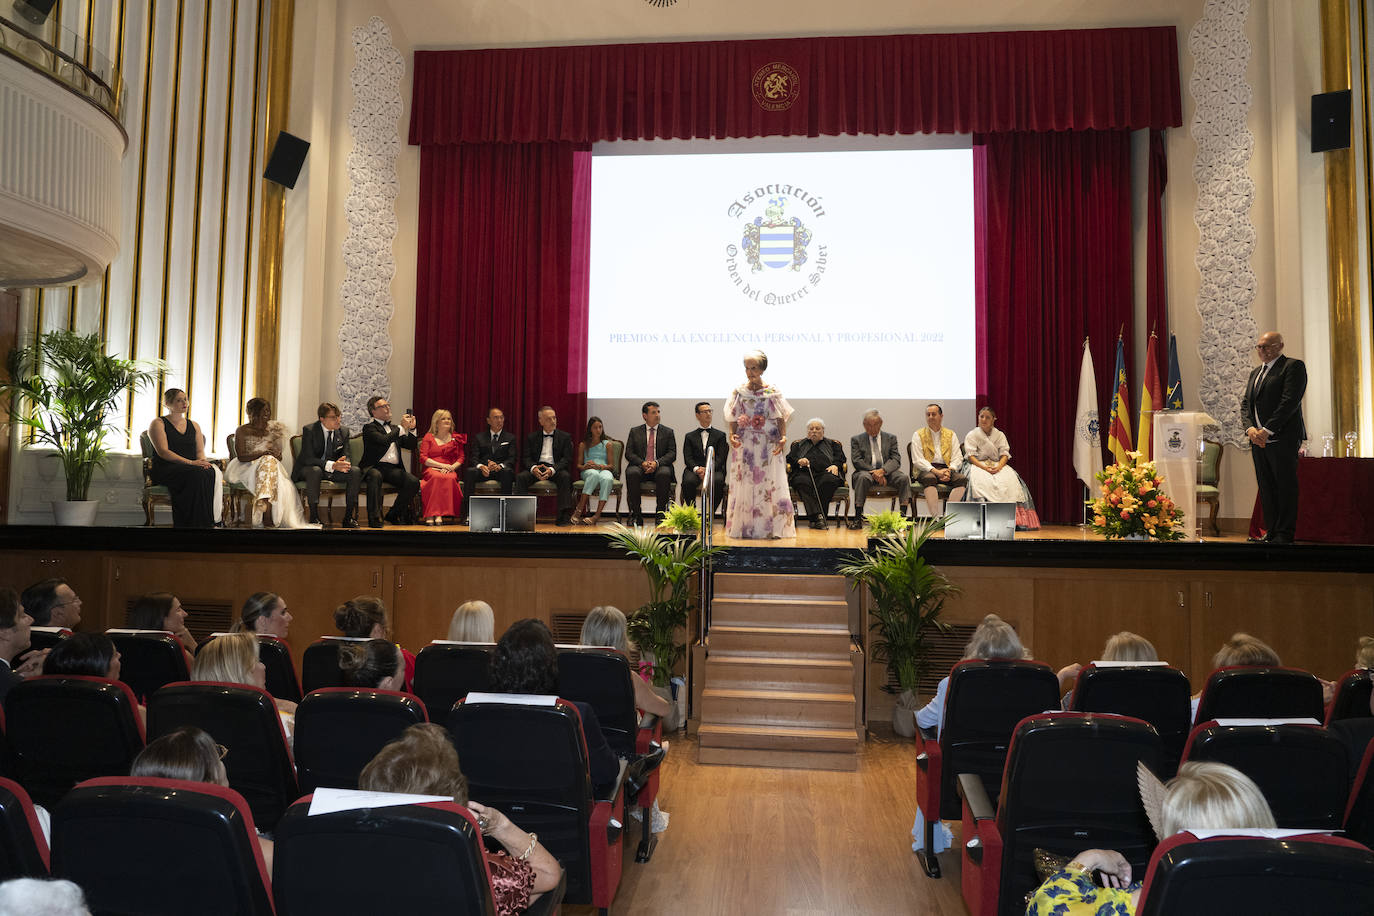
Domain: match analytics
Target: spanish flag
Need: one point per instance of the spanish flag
(1151, 397)
(1119, 432)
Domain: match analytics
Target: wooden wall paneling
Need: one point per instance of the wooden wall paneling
(427, 593)
(574, 588)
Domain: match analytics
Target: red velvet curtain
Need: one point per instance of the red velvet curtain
(1058, 234)
(1156, 289)
(501, 292)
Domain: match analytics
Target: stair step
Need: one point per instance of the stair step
(763, 585)
(790, 708)
(771, 759)
(778, 738)
(768, 672)
(798, 642)
(779, 611)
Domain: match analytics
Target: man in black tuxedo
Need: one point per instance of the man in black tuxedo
(324, 456)
(815, 469)
(876, 463)
(548, 456)
(696, 445)
(381, 462)
(493, 456)
(650, 450)
(1272, 410)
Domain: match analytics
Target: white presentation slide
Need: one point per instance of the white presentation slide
(852, 270)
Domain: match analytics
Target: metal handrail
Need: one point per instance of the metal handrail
(58, 58)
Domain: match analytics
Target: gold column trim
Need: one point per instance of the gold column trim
(224, 210)
(268, 312)
(252, 184)
(1342, 241)
(200, 175)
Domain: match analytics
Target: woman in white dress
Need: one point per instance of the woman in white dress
(990, 477)
(258, 467)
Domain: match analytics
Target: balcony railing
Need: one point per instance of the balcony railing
(67, 58)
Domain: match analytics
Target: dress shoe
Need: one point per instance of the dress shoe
(564, 519)
(314, 517)
(350, 522)
(855, 524)
(1279, 539)
(374, 522)
(638, 770)
(636, 520)
(818, 524)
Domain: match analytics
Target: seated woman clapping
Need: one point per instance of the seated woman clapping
(233, 659)
(423, 762)
(375, 664)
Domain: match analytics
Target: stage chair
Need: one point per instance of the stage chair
(447, 671)
(1158, 694)
(340, 729)
(320, 662)
(437, 840)
(1209, 481)
(985, 700)
(1255, 692)
(1070, 784)
(1350, 699)
(328, 488)
(1301, 769)
(239, 499)
(149, 659)
(245, 720)
(23, 848)
(918, 492)
(531, 762)
(600, 677)
(61, 729)
(615, 452)
(275, 656)
(153, 494)
(161, 846)
(1257, 874)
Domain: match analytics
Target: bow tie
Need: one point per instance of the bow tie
(548, 435)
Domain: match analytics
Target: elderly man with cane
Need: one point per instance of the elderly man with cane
(815, 469)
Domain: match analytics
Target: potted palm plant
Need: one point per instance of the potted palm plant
(908, 597)
(63, 387)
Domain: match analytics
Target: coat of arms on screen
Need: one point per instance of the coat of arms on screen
(776, 86)
(774, 240)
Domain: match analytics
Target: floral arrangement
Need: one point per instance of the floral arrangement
(1133, 504)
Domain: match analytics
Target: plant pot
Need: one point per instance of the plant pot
(75, 512)
(904, 714)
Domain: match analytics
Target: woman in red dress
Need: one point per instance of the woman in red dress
(441, 453)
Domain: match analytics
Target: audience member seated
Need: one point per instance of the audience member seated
(937, 458)
(993, 638)
(650, 450)
(233, 659)
(179, 464)
(548, 457)
(381, 463)
(1244, 649)
(163, 611)
(1203, 796)
(42, 897)
(84, 654)
(876, 462)
(1121, 647)
(441, 457)
(257, 467)
(493, 457)
(190, 755)
(695, 446)
(14, 639)
(364, 617)
(594, 467)
(324, 455)
(990, 478)
(473, 621)
(606, 626)
(52, 603)
(423, 762)
(1364, 656)
(375, 665)
(264, 613)
(813, 470)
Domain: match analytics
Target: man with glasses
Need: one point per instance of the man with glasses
(52, 603)
(1272, 410)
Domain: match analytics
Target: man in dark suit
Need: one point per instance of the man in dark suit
(548, 456)
(876, 463)
(696, 445)
(815, 469)
(381, 463)
(1272, 410)
(493, 456)
(650, 450)
(324, 456)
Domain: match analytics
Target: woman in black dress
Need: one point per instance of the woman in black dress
(181, 466)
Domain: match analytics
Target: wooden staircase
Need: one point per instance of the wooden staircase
(782, 675)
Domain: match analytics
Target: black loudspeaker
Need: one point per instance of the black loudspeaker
(35, 11)
(1331, 121)
(288, 155)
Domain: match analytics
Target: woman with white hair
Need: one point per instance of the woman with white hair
(815, 469)
(473, 621)
(760, 506)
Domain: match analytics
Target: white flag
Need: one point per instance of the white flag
(1087, 429)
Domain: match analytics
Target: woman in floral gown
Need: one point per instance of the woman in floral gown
(759, 506)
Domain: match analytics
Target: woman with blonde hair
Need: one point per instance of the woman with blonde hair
(606, 626)
(233, 659)
(473, 621)
(1121, 647)
(441, 483)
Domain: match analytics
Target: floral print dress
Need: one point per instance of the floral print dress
(759, 505)
(1071, 892)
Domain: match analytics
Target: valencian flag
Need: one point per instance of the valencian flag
(1151, 399)
(1119, 430)
(1173, 398)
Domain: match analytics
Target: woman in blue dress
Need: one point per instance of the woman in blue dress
(593, 461)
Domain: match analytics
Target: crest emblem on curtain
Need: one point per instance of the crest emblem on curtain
(776, 86)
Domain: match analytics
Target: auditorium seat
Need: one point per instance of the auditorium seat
(238, 498)
(275, 656)
(46, 637)
(985, 700)
(1070, 784)
(61, 729)
(149, 659)
(1359, 810)
(23, 848)
(1256, 874)
(1258, 692)
(1158, 694)
(447, 671)
(530, 761)
(1300, 769)
(1209, 481)
(245, 720)
(160, 846)
(615, 453)
(340, 729)
(320, 662)
(1350, 699)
